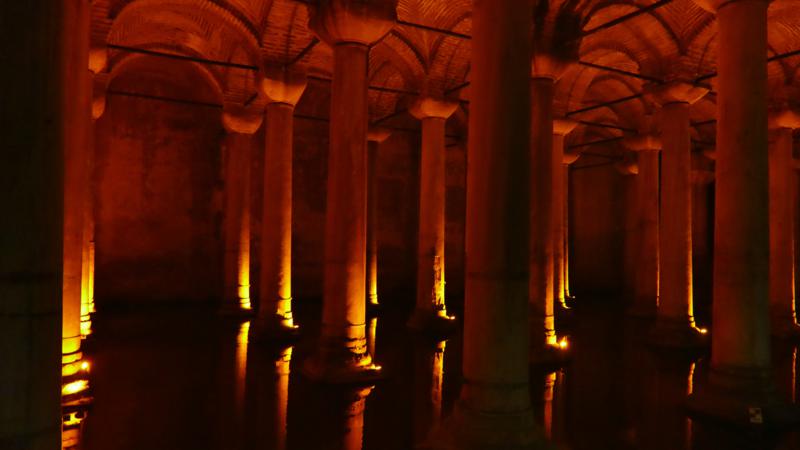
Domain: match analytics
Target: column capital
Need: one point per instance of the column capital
(427, 107)
(240, 119)
(570, 157)
(643, 143)
(786, 117)
(702, 176)
(98, 58)
(280, 85)
(676, 92)
(352, 21)
(378, 134)
(713, 6)
(564, 126)
(627, 166)
(544, 65)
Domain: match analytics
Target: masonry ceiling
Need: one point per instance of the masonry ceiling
(663, 40)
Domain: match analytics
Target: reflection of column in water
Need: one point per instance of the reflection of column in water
(281, 397)
(794, 376)
(242, 341)
(689, 390)
(547, 415)
(559, 407)
(436, 384)
(668, 426)
(353, 436)
(371, 336)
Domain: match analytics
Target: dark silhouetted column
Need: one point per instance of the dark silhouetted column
(740, 388)
(430, 312)
(283, 90)
(349, 27)
(494, 409)
(31, 230)
(561, 128)
(781, 225)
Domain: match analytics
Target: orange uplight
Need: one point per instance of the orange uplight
(85, 366)
(703, 330)
(74, 387)
(563, 343)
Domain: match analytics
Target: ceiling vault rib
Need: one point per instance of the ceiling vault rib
(305, 51)
(626, 17)
(158, 54)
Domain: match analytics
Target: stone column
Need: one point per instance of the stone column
(675, 325)
(740, 388)
(569, 159)
(561, 128)
(238, 150)
(781, 225)
(76, 159)
(702, 179)
(494, 408)
(430, 313)
(283, 90)
(31, 230)
(645, 295)
(350, 27)
(375, 137)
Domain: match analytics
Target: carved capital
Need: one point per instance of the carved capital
(676, 92)
(643, 143)
(784, 118)
(378, 134)
(702, 176)
(240, 119)
(280, 85)
(426, 107)
(570, 157)
(713, 6)
(98, 59)
(563, 127)
(352, 21)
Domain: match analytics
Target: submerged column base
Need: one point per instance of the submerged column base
(742, 397)
(341, 361)
(431, 321)
(643, 307)
(234, 309)
(677, 333)
(784, 326)
(275, 328)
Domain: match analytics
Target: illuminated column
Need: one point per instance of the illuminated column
(76, 160)
(93, 107)
(645, 296)
(740, 388)
(494, 408)
(781, 225)
(349, 27)
(428, 381)
(561, 128)
(375, 137)
(267, 388)
(238, 150)
(702, 179)
(675, 325)
(31, 230)
(569, 159)
(283, 90)
(430, 312)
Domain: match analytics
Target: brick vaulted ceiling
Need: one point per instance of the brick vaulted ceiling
(619, 46)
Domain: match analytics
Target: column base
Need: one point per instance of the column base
(428, 321)
(335, 364)
(549, 356)
(276, 329)
(677, 334)
(373, 307)
(742, 397)
(785, 328)
(235, 310)
(643, 307)
(474, 430)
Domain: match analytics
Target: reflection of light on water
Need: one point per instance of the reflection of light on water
(690, 387)
(794, 375)
(689, 391)
(353, 438)
(549, 389)
(282, 372)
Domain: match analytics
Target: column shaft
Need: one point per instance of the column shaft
(675, 301)
(275, 311)
(567, 293)
(236, 296)
(494, 407)
(76, 63)
(781, 233)
(372, 222)
(741, 238)
(647, 272)
(31, 230)
(431, 238)
(541, 214)
(559, 229)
